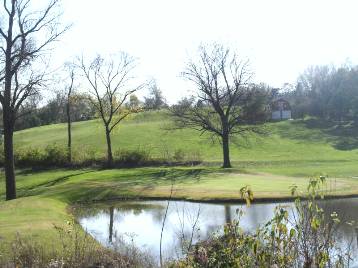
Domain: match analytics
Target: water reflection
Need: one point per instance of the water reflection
(188, 222)
(228, 217)
(111, 213)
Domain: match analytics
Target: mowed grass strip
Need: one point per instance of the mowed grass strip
(199, 183)
(33, 217)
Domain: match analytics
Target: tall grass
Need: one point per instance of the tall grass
(73, 249)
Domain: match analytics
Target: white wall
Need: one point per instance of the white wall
(276, 115)
(286, 114)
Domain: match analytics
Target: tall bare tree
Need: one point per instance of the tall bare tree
(69, 91)
(221, 81)
(24, 36)
(111, 85)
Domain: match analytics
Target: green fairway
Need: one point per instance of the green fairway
(294, 148)
(197, 183)
(32, 215)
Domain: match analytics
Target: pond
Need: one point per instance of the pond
(140, 222)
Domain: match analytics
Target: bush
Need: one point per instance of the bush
(132, 157)
(55, 155)
(52, 155)
(179, 155)
(195, 157)
(189, 157)
(86, 156)
(29, 156)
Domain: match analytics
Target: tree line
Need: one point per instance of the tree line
(326, 92)
(54, 109)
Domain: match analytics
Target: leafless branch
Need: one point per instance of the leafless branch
(222, 81)
(106, 78)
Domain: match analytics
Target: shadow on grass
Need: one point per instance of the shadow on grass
(341, 135)
(24, 191)
(114, 184)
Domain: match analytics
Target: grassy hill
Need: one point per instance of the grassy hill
(294, 148)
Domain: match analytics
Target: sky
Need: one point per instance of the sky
(280, 37)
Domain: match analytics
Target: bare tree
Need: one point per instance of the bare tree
(24, 36)
(107, 78)
(69, 91)
(221, 81)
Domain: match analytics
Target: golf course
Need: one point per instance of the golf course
(178, 134)
(289, 153)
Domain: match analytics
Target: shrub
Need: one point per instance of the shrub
(55, 155)
(132, 157)
(189, 157)
(29, 156)
(86, 156)
(52, 155)
(179, 155)
(195, 157)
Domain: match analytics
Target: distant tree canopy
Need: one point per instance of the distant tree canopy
(155, 100)
(326, 92)
(255, 103)
(134, 102)
(55, 112)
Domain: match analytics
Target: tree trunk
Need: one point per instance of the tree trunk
(9, 155)
(69, 141)
(226, 151)
(109, 148)
(8, 116)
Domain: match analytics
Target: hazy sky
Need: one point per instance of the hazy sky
(281, 37)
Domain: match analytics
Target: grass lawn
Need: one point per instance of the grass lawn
(32, 215)
(197, 183)
(291, 153)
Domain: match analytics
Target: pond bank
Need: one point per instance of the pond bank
(239, 200)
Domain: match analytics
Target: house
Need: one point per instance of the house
(280, 109)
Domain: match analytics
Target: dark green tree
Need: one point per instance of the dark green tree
(155, 100)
